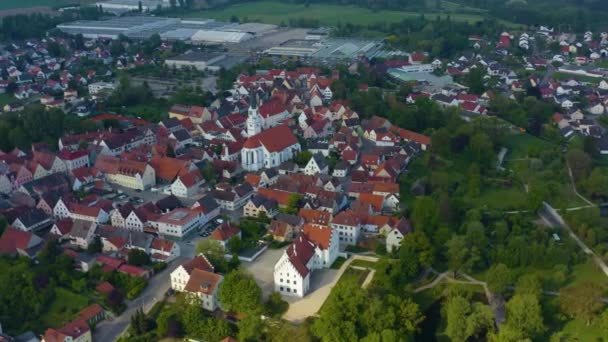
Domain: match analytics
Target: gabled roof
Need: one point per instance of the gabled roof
(199, 262)
(319, 234)
(14, 240)
(203, 281)
(299, 254)
(273, 139)
(225, 232)
(315, 216)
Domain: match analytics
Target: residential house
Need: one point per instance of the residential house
(180, 276)
(259, 204)
(178, 222)
(316, 165)
(315, 248)
(75, 331)
(224, 233)
(18, 242)
(395, 236)
(348, 225)
(187, 185)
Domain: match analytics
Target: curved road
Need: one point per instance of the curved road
(110, 330)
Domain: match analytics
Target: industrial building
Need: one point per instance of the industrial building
(202, 31)
(212, 61)
(332, 48)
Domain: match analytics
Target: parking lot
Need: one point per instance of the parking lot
(262, 269)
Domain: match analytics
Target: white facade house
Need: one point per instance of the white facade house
(316, 248)
(197, 278)
(187, 185)
(177, 223)
(317, 164)
(348, 225)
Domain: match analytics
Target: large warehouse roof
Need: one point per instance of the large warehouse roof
(220, 36)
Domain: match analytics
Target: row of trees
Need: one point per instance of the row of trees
(23, 129)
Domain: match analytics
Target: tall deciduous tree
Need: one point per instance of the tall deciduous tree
(524, 315)
(240, 293)
(582, 300)
(461, 256)
(499, 276)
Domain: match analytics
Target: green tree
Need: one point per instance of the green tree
(137, 257)
(293, 204)
(95, 246)
(425, 214)
(529, 284)
(482, 150)
(457, 310)
(302, 158)
(461, 256)
(240, 293)
(499, 276)
(580, 164)
(250, 328)
(337, 319)
(275, 306)
(583, 300)
(524, 315)
(212, 249)
(475, 81)
(235, 245)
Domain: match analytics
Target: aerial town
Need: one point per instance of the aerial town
(190, 178)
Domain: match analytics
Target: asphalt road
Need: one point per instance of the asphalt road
(158, 285)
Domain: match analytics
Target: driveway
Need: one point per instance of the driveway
(262, 269)
(321, 283)
(154, 292)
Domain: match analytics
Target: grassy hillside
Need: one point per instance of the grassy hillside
(14, 4)
(274, 12)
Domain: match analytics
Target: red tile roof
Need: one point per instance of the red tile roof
(73, 329)
(104, 287)
(13, 239)
(90, 311)
(282, 197)
(198, 262)
(320, 235)
(272, 107)
(299, 253)
(225, 232)
(132, 270)
(274, 139)
(161, 245)
(202, 281)
(315, 216)
(376, 201)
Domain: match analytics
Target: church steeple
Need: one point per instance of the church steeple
(254, 121)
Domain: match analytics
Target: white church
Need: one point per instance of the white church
(268, 148)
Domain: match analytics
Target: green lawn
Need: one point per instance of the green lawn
(274, 12)
(354, 275)
(581, 78)
(63, 309)
(513, 198)
(364, 263)
(520, 145)
(6, 99)
(588, 272)
(13, 4)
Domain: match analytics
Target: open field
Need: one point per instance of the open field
(561, 76)
(272, 12)
(65, 306)
(14, 4)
